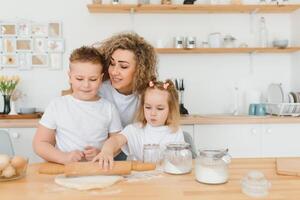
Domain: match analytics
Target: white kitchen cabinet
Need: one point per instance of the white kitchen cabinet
(281, 140)
(251, 140)
(22, 142)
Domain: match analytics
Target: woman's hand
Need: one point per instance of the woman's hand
(90, 152)
(106, 160)
(73, 156)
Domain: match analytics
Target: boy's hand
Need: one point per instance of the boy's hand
(90, 152)
(73, 156)
(106, 160)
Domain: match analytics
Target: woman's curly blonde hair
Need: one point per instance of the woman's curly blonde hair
(145, 57)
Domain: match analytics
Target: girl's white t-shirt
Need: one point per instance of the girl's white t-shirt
(137, 137)
(127, 105)
(81, 123)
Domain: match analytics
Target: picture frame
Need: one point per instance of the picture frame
(24, 29)
(39, 60)
(8, 29)
(55, 61)
(9, 44)
(9, 60)
(55, 45)
(39, 29)
(23, 44)
(39, 44)
(25, 61)
(54, 29)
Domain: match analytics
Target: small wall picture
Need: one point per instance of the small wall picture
(24, 29)
(39, 44)
(8, 29)
(24, 61)
(23, 44)
(39, 60)
(55, 60)
(39, 29)
(54, 29)
(55, 45)
(9, 60)
(9, 44)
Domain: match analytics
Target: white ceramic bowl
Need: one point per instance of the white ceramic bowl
(280, 43)
(27, 110)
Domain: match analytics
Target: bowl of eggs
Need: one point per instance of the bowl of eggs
(12, 167)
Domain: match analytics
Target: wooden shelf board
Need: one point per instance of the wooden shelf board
(226, 50)
(122, 8)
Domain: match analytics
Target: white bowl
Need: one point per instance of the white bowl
(27, 110)
(280, 43)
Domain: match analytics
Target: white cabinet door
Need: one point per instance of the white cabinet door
(281, 140)
(241, 140)
(22, 143)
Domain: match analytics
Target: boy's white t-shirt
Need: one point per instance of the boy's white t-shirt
(80, 123)
(126, 104)
(137, 137)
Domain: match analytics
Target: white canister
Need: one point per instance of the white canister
(178, 42)
(212, 166)
(190, 42)
(214, 40)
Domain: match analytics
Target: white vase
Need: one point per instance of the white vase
(12, 108)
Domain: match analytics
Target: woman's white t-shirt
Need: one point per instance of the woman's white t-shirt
(80, 123)
(137, 136)
(127, 105)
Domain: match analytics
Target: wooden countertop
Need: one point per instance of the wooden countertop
(185, 120)
(37, 186)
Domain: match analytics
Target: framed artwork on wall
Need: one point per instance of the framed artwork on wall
(24, 44)
(55, 61)
(9, 60)
(24, 29)
(9, 44)
(39, 44)
(54, 29)
(39, 29)
(8, 29)
(39, 60)
(24, 61)
(55, 45)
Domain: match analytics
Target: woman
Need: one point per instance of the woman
(131, 65)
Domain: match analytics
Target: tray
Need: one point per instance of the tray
(22, 116)
(283, 109)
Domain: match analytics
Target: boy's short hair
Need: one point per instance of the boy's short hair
(87, 54)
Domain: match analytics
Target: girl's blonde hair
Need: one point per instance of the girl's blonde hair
(174, 115)
(144, 53)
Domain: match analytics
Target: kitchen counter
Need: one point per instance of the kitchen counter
(37, 186)
(185, 120)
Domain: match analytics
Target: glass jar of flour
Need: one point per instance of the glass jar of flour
(212, 166)
(178, 159)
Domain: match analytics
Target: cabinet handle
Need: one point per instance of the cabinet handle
(16, 135)
(253, 131)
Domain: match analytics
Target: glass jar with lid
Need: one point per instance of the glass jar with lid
(177, 158)
(212, 166)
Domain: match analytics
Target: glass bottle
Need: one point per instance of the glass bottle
(263, 33)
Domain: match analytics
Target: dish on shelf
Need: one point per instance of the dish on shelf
(275, 93)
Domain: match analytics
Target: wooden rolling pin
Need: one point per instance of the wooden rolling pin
(89, 168)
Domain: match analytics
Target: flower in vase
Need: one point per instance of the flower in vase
(8, 84)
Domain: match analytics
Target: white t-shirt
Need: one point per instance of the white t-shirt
(126, 104)
(80, 123)
(138, 136)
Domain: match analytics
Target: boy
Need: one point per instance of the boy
(79, 123)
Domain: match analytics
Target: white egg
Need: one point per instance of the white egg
(9, 171)
(4, 161)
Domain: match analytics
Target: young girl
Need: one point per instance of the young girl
(158, 123)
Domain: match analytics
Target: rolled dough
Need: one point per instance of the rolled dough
(87, 182)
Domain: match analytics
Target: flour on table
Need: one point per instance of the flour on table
(87, 182)
(143, 176)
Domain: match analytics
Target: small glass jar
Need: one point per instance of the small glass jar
(212, 166)
(177, 159)
(151, 153)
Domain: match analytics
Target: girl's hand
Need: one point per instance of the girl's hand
(106, 160)
(90, 152)
(73, 156)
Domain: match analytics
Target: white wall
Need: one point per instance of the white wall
(210, 79)
(296, 56)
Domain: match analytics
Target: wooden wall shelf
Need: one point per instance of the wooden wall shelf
(103, 8)
(225, 50)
